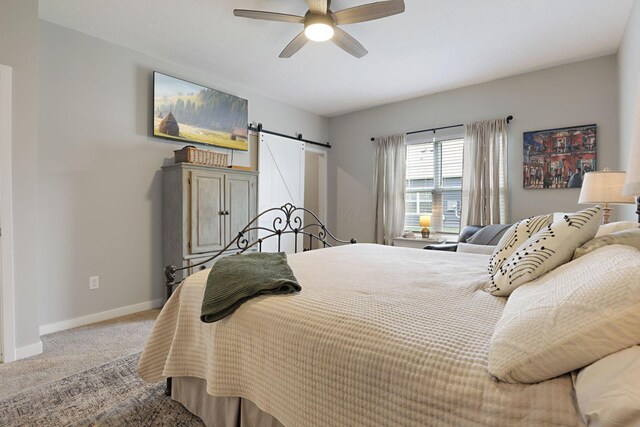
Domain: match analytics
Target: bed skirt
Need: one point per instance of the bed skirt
(218, 411)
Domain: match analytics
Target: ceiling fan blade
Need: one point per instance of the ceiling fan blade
(368, 12)
(318, 6)
(268, 16)
(348, 43)
(295, 45)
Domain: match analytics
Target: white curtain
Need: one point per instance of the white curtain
(390, 185)
(484, 175)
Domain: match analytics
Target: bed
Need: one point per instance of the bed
(379, 335)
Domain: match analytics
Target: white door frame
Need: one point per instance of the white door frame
(7, 322)
(322, 184)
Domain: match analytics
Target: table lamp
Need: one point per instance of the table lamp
(604, 187)
(425, 221)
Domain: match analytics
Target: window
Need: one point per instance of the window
(434, 184)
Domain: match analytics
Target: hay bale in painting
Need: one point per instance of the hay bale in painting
(169, 126)
(239, 132)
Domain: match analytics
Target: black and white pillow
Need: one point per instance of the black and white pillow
(547, 249)
(514, 237)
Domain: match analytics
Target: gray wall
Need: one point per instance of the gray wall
(629, 72)
(99, 170)
(19, 50)
(574, 94)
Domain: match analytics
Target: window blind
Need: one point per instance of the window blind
(434, 184)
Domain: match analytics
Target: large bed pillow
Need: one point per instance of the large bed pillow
(608, 391)
(569, 318)
(516, 235)
(629, 237)
(614, 227)
(549, 248)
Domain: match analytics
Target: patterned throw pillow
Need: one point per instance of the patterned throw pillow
(514, 237)
(547, 249)
(628, 238)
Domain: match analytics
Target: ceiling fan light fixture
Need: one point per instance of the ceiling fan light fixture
(319, 32)
(322, 24)
(318, 28)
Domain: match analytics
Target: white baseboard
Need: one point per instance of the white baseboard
(99, 317)
(29, 350)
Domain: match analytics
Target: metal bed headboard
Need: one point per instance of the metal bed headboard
(287, 221)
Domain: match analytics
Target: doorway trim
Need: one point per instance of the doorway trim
(322, 185)
(7, 322)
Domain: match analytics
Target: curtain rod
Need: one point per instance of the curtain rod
(509, 118)
(298, 137)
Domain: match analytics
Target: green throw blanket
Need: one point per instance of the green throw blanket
(238, 278)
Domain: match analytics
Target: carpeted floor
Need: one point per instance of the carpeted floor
(87, 376)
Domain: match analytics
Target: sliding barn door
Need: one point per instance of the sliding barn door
(281, 181)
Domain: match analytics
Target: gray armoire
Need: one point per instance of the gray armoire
(204, 208)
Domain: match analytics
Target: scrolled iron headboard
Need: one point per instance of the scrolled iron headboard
(286, 222)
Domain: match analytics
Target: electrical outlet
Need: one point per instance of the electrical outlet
(94, 282)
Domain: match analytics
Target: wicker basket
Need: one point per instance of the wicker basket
(194, 155)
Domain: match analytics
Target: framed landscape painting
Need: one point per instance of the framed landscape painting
(558, 158)
(192, 113)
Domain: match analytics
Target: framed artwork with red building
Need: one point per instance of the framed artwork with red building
(558, 158)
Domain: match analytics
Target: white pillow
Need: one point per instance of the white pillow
(629, 237)
(608, 392)
(569, 318)
(614, 227)
(470, 248)
(515, 236)
(547, 249)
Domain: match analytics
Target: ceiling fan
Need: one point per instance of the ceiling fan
(321, 23)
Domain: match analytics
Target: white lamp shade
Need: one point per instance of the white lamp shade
(604, 187)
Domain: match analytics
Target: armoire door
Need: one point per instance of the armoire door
(240, 204)
(207, 211)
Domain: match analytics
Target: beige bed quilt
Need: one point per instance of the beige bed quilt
(379, 336)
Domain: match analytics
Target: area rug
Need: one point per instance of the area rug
(109, 395)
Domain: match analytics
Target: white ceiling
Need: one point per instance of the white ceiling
(435, 45)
